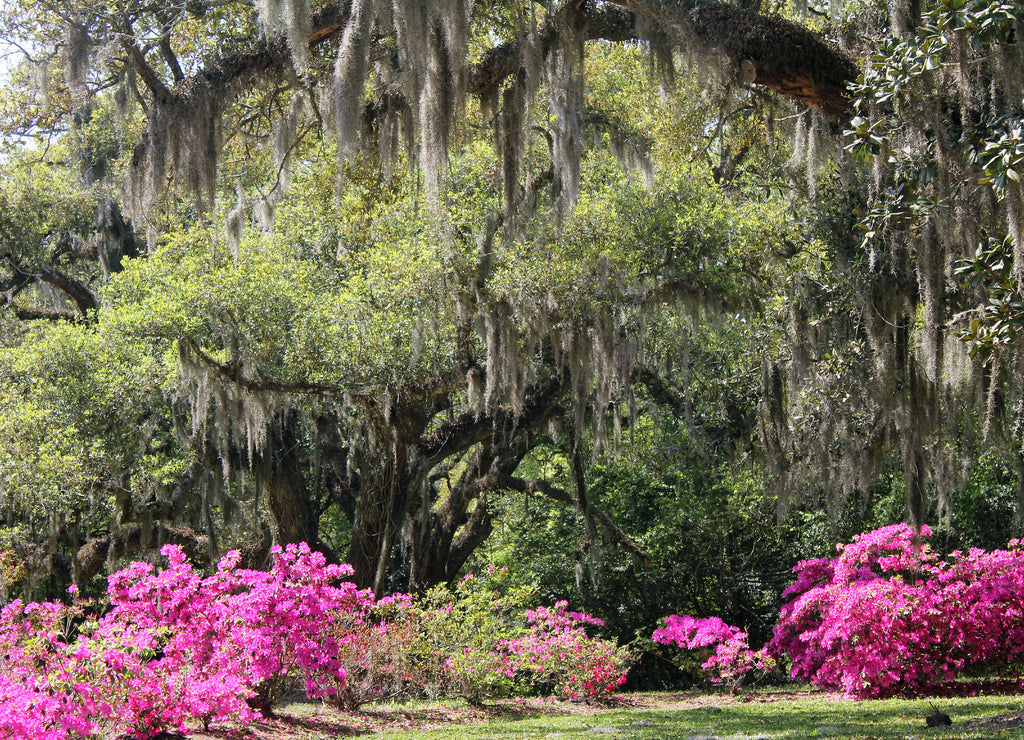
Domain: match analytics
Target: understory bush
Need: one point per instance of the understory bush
(886, 617)
(478, 641)
(171, 647)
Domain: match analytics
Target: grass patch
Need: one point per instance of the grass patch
(764, 715)
(664, 717)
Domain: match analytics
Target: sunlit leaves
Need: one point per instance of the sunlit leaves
(998, 322)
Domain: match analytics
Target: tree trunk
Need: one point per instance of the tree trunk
(369, 550)
(278, 472)
(434, 531)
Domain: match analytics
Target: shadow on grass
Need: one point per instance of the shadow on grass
(761, 716)
(834, 718)
(285, 727)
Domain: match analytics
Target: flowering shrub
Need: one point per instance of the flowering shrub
(230, 639)
(39, 694)
(12, 571)
(885, 617)
(556, 651)
(874, 608)
(378, 654)
(176, 647)
(461, 633)
(728, 658)
(491, 646)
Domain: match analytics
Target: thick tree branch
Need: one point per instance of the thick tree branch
(21, 278)
(604, 22)
(452, 536)
(582, 498)
(133, 539)
(473, 533)
(267, 56)
(470, 428)
(766, 50)
(23, 313)
(662, 393)
(559, 494)
(410, 399)
(232, 373)
(17, 283)
(170, 58)
(82, 297)
(149, 78)
(769, 50)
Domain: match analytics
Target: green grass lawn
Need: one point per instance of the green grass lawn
(672, 717)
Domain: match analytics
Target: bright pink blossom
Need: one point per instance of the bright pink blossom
(885, 617)
(176, 648)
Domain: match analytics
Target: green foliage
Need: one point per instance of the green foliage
(997, 326)
(78, 422)
(41, 205)
(477, 640)
(462, 629)
(11, 572)
(711, 539)
(44, 466)
(982, 512)
(926, 83)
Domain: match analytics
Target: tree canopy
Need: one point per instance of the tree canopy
(355, 273)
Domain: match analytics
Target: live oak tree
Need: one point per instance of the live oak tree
(418, 397)
(411, 435)
(389, 359)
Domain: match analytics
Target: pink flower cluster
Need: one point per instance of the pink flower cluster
(556, 650)
(41, 692)
(887, 617)
(690, 633)
(174, 647)
(729, 657)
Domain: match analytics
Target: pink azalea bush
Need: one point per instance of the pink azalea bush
(461, 631)
(886, 617)
(226, 642)
(40, 694)
(376, 650)
(728, 657)
(557, 652)
(175, 648)
(479, 641)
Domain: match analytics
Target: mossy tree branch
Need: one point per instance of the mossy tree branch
(766, 50)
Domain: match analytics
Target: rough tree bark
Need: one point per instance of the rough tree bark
(764, 50)
(278, 472)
